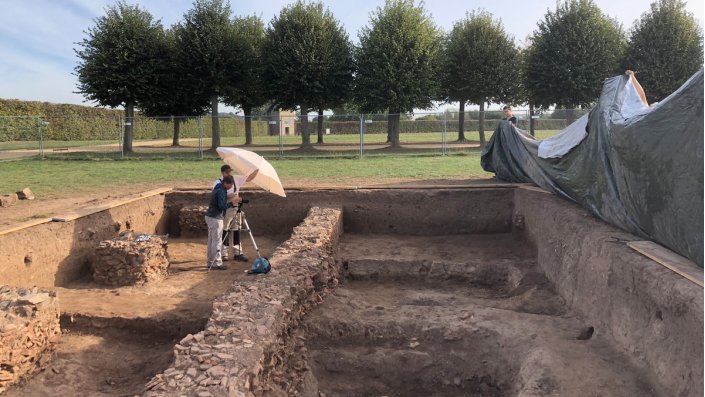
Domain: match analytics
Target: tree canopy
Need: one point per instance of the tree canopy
(665, 48)
(208, 53)
(307, 60)
(249, 91)
(398, 62)
(479, 64)
(119, 62)
(573, 50)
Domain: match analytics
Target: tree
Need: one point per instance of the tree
(305, 60)
(208, 53)
(119, 61)
(398, 62)
(665, 48)
(574, 49)
(479, 65)
(249, 92)
(178, 94)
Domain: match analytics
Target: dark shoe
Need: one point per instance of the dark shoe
(241, 258)
(221, 267)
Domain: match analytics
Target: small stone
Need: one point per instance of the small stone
(192, 372)
(34, 298)
(8, 200)
(413, 345)
(204, 394)
(25, 194)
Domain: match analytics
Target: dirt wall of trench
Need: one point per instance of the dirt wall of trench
(51, 254)
(649, 311)
(388, 211)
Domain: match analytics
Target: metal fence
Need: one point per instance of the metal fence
(358, 135)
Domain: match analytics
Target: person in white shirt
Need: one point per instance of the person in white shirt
(233, 238)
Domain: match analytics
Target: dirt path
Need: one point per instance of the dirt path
(28, 210)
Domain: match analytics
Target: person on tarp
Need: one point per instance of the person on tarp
(215, 214)
(509, 115)
(638, 87)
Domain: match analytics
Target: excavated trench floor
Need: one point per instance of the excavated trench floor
(462, 315)
(114, 339)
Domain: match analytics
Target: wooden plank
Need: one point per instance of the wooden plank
(24, 225)
(669, 259)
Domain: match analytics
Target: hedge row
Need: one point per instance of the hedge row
(19, 122)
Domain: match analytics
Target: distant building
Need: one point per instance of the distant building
(282, 122)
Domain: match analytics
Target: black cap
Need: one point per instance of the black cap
(225, 168)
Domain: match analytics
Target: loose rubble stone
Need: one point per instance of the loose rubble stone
(29, 330)
(131, 259)
(7, 200)
(252, 343)
(25, 194)
(192, 220)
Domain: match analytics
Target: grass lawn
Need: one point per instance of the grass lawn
(226, 140)
(55, 178)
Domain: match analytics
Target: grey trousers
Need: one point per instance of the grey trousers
(215, 244)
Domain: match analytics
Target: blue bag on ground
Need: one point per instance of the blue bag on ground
(260, 265)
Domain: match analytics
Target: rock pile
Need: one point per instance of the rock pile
(192, 221)
(29, 329)
(131, 259)
(7, 200)
(252, 344)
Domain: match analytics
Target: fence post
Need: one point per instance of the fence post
(41, 141)
(443, 144)
(200, 137)
(121, 134)
(281, 139)
(362, 137)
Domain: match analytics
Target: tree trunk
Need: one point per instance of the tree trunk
(570, 116)
(320, 125)
(532, 126)
(393, 122)
(129, 125)
(481, 122)
(305, 134)
(177, 131)
(215, 121)
(248, 124)
(461, 122)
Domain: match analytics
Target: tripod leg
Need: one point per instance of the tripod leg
(247, 227)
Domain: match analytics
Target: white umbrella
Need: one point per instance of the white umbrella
(245, 162)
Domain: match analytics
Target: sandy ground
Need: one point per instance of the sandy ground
(115, 339)
(462, 315)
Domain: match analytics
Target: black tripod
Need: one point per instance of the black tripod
(240, 225)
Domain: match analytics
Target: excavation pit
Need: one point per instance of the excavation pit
(425, 316)
(471, 291)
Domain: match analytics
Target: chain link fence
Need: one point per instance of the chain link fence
(357, 135)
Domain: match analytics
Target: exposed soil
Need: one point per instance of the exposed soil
(456, 315)
(47, 207)
(115, 339)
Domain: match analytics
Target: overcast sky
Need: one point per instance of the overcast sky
(37, 37)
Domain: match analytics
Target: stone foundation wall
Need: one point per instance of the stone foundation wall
(29, 329)
(251, 345)
(131, 260)
(192, 221)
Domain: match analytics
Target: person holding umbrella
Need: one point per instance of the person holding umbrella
(229, 238)
(215, 214)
